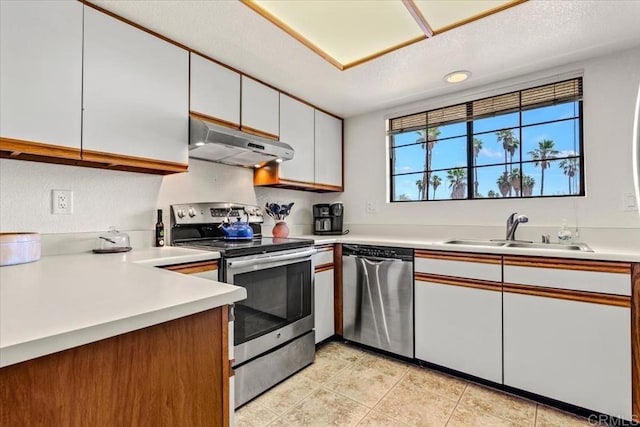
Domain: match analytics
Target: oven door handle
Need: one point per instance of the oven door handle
(271, 259)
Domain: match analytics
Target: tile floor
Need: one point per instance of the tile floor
(347, 386)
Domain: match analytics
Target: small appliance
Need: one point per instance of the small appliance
(327, 218)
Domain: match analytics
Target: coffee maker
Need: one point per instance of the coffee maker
(327, 218)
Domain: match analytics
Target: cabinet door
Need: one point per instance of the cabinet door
(260, 111)
(296, 129)
(323, 305)
(328, 150)
(460, 327)
(136, 94)
(41, 72)
(573, 351)
(215, 90)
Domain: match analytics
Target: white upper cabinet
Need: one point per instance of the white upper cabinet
(41, 71)
(328, 150)
(215, 90)
(136, 92)
(260, 108)
(296, 129)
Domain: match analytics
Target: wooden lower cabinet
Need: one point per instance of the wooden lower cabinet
(174, 373)
(573, 351)
(458, 325)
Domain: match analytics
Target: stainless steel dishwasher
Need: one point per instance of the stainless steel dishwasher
(377, 294)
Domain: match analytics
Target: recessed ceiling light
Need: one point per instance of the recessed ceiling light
(457, 76)
(256, 166)
(278, 160)
(199, 144)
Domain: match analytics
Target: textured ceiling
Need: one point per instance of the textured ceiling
(526, 38)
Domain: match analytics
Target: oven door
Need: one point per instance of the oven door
(279, 303)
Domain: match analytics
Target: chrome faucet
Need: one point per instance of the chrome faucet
(512, 224)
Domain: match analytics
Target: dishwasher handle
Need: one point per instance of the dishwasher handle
(376, 260)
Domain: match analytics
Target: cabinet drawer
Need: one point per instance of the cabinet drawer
(470, 266)
(578, 275)
(324, 256)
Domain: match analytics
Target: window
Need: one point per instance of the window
(526, 143)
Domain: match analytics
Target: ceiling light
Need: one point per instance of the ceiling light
(256, 166)
(457, 76)
(199, 144)
(278, 160)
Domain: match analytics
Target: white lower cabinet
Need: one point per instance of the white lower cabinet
(573, 351)
(323, 305)
(460, 328)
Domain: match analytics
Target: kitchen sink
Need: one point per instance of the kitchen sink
(583, 247)
(553, 246)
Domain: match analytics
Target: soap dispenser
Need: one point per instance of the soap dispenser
(564, 234)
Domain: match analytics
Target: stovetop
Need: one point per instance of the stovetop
(237, 248)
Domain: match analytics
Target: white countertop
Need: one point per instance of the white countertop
(65, 301)
(599, 252)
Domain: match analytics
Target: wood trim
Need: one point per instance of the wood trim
(193, 267)
(417, 15)
(337, 288)
(214, 120)
(323, 267)
(268, 176)
(293, 33)
(569, 264)
(456, 281)
(16, 147)
(383, 52)
(459, 256)
(478, 16)
(226, 365)
(324, 248)
(570, 295)
(635, 341)
(115, 160)
(258, 132)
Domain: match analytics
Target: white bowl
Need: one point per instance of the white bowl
(19, 248)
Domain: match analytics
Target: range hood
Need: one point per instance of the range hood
(209, 141)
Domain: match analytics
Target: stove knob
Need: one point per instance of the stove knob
(180, 213)
(192, 212)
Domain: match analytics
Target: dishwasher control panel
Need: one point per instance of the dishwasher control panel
(386, 252)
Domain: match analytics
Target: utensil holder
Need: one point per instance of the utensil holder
(280, 230)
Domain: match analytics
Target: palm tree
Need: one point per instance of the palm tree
(435, 183)
(541, 157)
(569, 167)
(477, 147)
(514, 179)
(457, 183)
(420, 186)
(527, 185)
(504, 184)
(510, 144)
(428, 139)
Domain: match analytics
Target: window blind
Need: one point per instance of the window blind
(549, 94)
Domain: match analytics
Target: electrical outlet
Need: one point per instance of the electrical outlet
(629, 202)
(61, 202)
(372, 206)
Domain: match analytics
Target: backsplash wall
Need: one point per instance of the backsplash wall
(127, 200)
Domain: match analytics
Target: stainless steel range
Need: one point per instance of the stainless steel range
(273, 327)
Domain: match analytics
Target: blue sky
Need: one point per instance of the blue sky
(450, 150)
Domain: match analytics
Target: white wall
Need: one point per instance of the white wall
(127, 200)
(610, 85)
